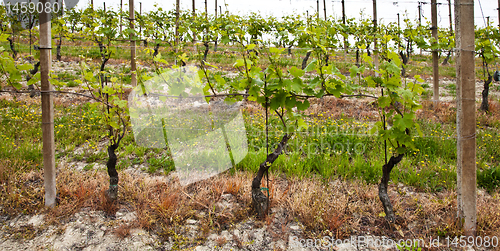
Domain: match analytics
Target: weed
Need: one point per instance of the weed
(220, 241)
(489, 178)
(122, 231)
(164, 162)
(403, 246)
(94, 157)
(88, 167)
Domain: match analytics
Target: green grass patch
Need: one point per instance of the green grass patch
(329, 148)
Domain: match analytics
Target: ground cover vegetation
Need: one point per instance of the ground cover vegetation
(329, 115)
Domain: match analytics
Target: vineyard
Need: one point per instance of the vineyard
(316, 127)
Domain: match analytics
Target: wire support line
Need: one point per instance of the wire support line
(56, 124)
(179, 97)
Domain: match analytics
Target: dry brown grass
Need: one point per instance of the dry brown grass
(220, 241)
(5, 171)
(490, 118)
(345, 208)
(443, 112)
(337, 208)
(20, 192)
(122, 231)
(446, 113)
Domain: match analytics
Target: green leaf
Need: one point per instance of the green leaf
(225, 39)
(254, 91)
(89, 76)
(370, 82)
(354, 71)
(297, 85)
(25, 67)
(290, 102)
(418, 78)
(121, 103)
(114, 124)
(211, 65)
(3, 37)
(301, 124)
(17, 85)
(315, 82)
(302, 106)
(311, 66)
(239, 63)
(258, 82)
(384, 101)
(392, 68)
(243, 83)
(335, 87)
(230, 100)
(251, 47)
(278, 100)
(220, 80)
(296, 72)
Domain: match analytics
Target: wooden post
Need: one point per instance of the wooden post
(451, 21)
(343, 11)
(215, 43)
(194, 33)
(140, 27)
(498, 9)
(177, 2)
(92, 4)
(420, 18)
(30, 24)
(488, 21)
(420, 13)
(324, 8)
(317, 9)
(343, 22)
(133, 67)
(435, 59)
(399, 24)
(121, 7)
(49, 167)
(206, 9)
(375, 47)
(466, 117)
(498, 13)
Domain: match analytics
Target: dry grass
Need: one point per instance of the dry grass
(5, 171)
(490, 118)
(122, 231)
(443, 112)
(19, 192)
(446, 113)
(342, 209)
(337, 208)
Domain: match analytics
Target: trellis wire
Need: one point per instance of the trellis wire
(182, 128)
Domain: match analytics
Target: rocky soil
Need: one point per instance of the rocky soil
(94, 230)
